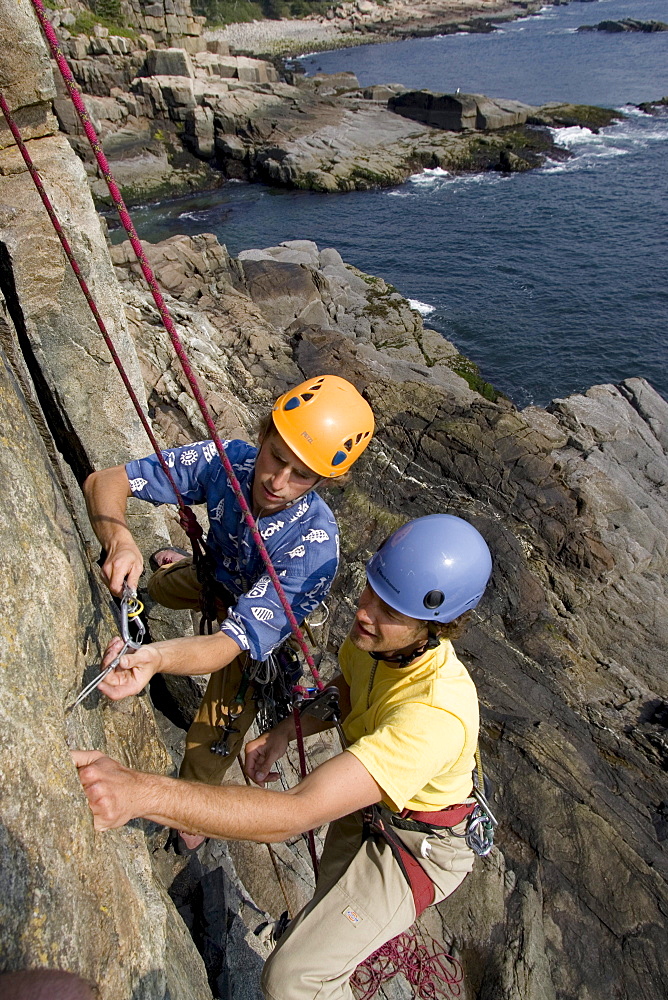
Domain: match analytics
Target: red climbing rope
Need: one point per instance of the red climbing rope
(431, 973)
(126, 221)
(84, 288)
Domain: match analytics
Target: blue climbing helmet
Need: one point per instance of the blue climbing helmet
(434, 568)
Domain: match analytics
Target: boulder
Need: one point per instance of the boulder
(330, 83)
(169, 62)
(216, 64)
(625, 24)
(255, 70)
(217, 46)
(456, 112)
(382, 92)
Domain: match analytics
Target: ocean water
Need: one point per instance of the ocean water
(553, 280)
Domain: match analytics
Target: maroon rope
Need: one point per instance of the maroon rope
(34, 173)
(430, 971)
(126, 221)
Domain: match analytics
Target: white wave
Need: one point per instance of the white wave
(429, 175)
(622, 138)
(572, 135)
(422, 307)
(194, 216)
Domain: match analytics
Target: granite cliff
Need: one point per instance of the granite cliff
(568, 650)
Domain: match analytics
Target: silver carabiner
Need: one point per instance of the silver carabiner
(480, 826)
(131, 608)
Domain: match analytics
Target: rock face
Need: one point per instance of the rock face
(568, 649)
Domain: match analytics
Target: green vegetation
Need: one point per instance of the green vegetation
(232, 11)
(470, 372)
(87, 19)
(585, 115)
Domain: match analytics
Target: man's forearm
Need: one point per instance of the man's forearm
(106, 493)
(230, 812)
(117, 794)
(199, 654)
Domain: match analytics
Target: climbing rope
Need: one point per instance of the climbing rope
(126, 221)
(431, 973)
(424, 968)
(34, 173)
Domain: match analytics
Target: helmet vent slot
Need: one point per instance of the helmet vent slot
(348, 444)
(306, 396)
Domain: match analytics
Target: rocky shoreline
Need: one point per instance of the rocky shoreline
(364, 22)
(177, 119)
(568, 650)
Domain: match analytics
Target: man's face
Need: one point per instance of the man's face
(280, 477)
(378, 628)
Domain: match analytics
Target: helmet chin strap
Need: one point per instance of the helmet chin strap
(403, 659)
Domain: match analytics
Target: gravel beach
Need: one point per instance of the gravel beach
(363, 22)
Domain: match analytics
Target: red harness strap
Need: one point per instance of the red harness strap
(445, 817)
(421, 885)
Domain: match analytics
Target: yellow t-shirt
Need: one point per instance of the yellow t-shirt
(414, 728)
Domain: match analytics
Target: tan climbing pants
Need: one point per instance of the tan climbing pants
(362, 900)
(176, 586)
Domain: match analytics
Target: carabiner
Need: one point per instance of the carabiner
(131, 608)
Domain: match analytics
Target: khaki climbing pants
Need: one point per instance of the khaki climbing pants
(362, 900)
(176, 586)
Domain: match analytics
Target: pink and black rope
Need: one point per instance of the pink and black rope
(34, 173)
(126, 221)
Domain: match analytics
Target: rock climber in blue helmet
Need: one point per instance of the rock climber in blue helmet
(399, 798)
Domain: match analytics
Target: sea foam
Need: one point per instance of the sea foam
(422, 307)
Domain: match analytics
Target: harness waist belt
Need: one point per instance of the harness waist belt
(443, 817)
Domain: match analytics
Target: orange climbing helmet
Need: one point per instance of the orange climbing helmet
(325, 422)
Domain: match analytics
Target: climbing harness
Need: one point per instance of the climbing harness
(131, 609)
(274, 683)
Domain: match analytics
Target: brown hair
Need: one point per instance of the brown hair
(450, 630)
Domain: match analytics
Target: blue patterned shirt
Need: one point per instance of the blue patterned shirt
(302, 540)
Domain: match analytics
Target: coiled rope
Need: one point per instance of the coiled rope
(431, 973)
